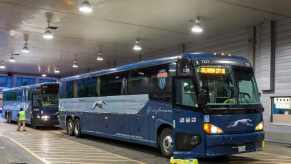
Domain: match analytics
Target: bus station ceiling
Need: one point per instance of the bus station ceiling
(114, 25)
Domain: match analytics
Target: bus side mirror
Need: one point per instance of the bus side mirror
(202, 98)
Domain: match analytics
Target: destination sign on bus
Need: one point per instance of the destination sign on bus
(212, 70)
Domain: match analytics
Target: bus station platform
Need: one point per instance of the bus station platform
(52, 146)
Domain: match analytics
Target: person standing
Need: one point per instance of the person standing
(21, 120)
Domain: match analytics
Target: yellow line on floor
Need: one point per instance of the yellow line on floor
(30, 152)
(22, 141)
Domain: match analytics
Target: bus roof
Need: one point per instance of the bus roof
(30, 86)
(155, 62)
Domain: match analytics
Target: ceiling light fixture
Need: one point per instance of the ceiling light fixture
(12, 59)
(57, 70)
(43, 75)
(75, 64)
(48, 35)
(197, 28)
(25, 49)
(100, 56)
(86, 7)
(137, 46)
(2, 65)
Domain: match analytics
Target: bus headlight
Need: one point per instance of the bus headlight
(211, 129)
(260, 127)
(45, 118)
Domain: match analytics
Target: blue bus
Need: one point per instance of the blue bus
(192, 105)
(40, 101)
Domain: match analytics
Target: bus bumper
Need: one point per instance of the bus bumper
(48, 122)
(219, 145)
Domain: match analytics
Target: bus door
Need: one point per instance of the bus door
(187, 121)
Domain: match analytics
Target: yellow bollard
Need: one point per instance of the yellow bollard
(183, 161)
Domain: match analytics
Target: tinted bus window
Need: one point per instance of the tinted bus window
(138, 83)
(87, 87)
(10, 96)
(113, 85)
(185, 92)
(30, 94)
(19, 95)
(161, 89)
(82, 88)
(69, 89)
(62, 90)
(92, 87)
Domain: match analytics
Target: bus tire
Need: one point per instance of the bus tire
(77, 128)
(166, 142)
(8, 117)
(70, 127)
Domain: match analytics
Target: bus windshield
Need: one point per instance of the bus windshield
(49, 100)
(229, 85)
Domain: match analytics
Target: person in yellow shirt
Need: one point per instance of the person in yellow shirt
(21, 120)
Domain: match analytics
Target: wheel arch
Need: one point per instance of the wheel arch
(160, 129)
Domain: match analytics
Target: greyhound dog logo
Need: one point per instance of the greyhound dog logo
(246, 122)
(162, 76)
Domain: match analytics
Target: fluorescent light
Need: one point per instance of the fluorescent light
(43, 75)
(12, 60)
(137, 47)
(48, 35)
(197, 28)
(86, 7)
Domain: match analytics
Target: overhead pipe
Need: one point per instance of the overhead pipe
(272, 58)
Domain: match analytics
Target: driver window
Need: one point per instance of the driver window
(185, 93)
(246, 93)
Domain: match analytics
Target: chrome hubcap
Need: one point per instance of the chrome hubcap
(77, 129)
(168, 144)
(70, 126)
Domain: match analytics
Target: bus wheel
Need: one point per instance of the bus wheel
(166, 142)
(77, 128)
(8, 117)
(70, 127)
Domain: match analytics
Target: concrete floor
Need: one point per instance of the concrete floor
(54, 147)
